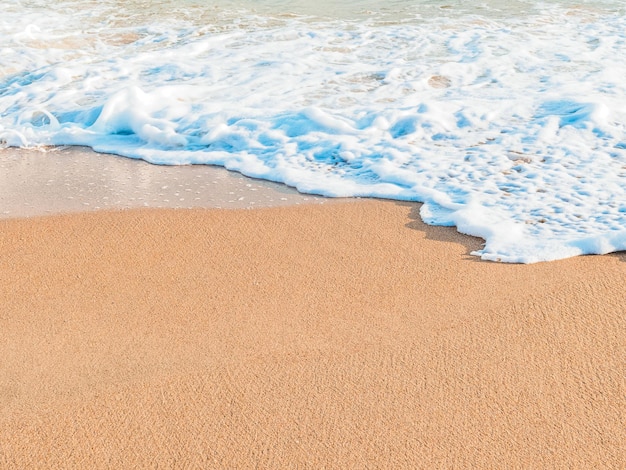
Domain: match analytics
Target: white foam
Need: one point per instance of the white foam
(509, 123)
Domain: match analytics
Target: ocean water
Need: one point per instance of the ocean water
(506, 118)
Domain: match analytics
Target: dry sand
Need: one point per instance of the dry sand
(320, 336)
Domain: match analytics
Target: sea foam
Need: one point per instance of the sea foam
(508, 124)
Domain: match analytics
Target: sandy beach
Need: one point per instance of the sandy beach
(208, 259)
(346, 335)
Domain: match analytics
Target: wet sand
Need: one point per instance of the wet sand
(47, 181)
(347, 335)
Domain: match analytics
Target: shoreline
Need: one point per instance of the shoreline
(345, 335)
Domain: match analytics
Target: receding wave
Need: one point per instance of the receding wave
(508, 124)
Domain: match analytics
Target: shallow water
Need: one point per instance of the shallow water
(508, 119)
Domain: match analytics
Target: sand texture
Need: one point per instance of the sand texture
(347, 335)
